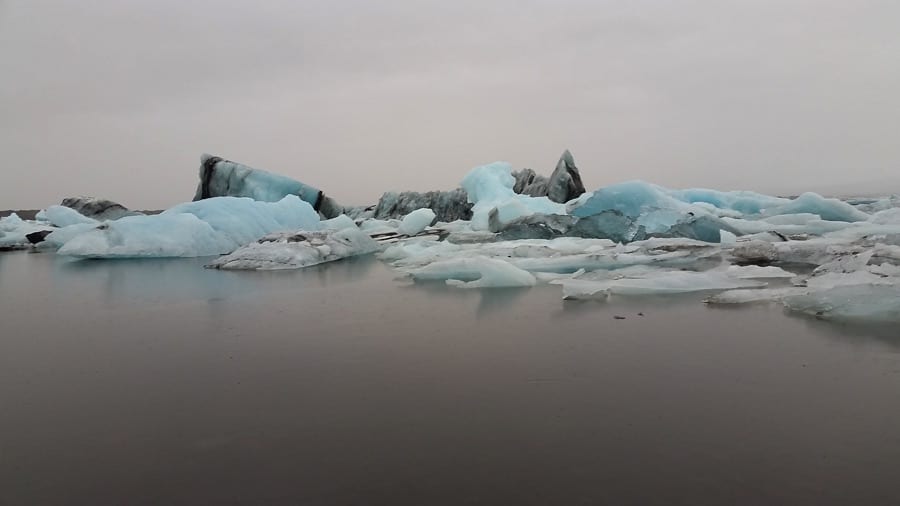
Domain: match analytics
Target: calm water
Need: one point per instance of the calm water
(159, 382)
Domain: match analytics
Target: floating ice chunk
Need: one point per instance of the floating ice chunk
(224, 178)
(756, 271)
(745, 296)
(609, 224)
(886, 217)
(63, 235)
(861, 302)
(845, 263)
(338, 222)
(631, 198)
(416, 221)
(63, 216)
(491, 186)
(447, 205)
(14, 231)
(176, 235)
(295, 250)
(207, 227)
(831, 280)
(418, 252)
(634, 209)
(791, 219)
(827, 209)
(887, 251)
(887, 270)
(656, 282)
(475, 272)
(745, 202)
(374, 227)
(98, 209)
(755, 252)
(812, 225)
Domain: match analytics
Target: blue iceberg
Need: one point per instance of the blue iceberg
(208, 227)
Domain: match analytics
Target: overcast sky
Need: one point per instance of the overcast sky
(119, 98)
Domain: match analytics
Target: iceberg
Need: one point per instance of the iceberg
(98, 209)
(490, 187)
(563, 185)
(224, 178)
(63, 216)
(447, 205)
(207, 227)
(295, 250)
(635, 210)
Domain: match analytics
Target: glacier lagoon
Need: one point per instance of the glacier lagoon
(155, 381)
(516, 340)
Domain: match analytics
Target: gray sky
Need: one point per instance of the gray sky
(118, 98)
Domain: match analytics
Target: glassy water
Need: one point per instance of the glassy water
(160, 382)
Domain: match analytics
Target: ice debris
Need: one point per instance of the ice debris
(295, 250)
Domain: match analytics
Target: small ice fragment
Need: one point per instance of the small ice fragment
(416, 221)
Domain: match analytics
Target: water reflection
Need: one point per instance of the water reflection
(852, 333)
(490, 301)
(339, 384)
(186, 278)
